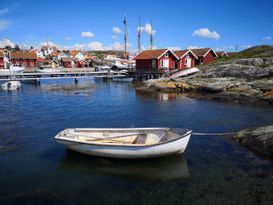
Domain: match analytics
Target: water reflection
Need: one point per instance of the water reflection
(159, 95)
(172, 167)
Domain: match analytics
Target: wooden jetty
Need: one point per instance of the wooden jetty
(60, 75)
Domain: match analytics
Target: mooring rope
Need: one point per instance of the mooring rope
(213, 134)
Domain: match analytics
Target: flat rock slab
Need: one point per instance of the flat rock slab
(259, 140)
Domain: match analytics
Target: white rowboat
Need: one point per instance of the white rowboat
(11, 85)
(126, 142)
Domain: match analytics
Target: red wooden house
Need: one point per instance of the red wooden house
(205, 55)
(1, 60)
(24, 58)
(186, 59)
(154, 61)
(68, 62)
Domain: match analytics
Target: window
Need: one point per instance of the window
(153, 63)
(201, 61)
(188, 55)
(186, 61)
(167, 55)
(161, 63)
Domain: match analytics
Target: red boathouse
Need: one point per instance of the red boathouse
(205, 55)
(24, 58)
(155, 61)
(186, 59)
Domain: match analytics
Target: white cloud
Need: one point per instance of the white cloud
(87, 34)
(206, 33)
(24, 46)
(140, 28)
(115, 46)
(174, 48)
(96, 46)
(4, 11)
(267, 38)
(193, 47)
(114, 37)
(67, 38)
(117, 30)
(6, 42)
(4, 24)
(148, 29)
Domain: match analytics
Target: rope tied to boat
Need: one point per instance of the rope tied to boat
(213, 134)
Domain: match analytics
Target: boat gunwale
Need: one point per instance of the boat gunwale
(189, 132)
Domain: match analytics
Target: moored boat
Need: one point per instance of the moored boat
(13, 69)
(11, 85)
(47, 69)
(123, 79)
(126, 142)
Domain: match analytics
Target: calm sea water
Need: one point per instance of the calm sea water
(34, 169)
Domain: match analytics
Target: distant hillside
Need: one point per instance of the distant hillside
(102, 54)
(256, 52)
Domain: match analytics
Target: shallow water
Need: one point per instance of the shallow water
(34, 169)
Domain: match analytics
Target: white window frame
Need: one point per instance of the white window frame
(167, 55)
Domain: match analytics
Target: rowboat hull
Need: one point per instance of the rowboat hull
(11, 85)
(175, 146)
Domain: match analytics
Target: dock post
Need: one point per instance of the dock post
(37, 82)
(76, 81)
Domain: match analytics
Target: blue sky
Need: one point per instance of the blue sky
(199, 23)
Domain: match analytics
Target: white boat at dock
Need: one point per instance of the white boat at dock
(123, 79)
(13, 69)
(126, 142)
(11, 85)
(47, 69)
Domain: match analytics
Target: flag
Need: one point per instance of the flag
(125, 21)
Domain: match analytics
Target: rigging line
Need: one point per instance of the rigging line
(213, 134)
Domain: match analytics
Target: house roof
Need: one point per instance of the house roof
(23, 55)
(74, 52)
(47, 47)
(202, 52)
(67, 59)
(55, 53)
(182, 53)
(152, 54)
(221, 53)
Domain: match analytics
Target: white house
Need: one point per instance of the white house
(62, 55)
(77, 54)
(48, 50)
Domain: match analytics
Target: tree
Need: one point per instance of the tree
(8, 47)
(16, 48)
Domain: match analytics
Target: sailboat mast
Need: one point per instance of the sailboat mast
(125, 37)
(47, 43)
(139, 35)
(151, 35)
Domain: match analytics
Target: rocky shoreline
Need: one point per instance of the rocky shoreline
(247, 80)
(259, 140)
